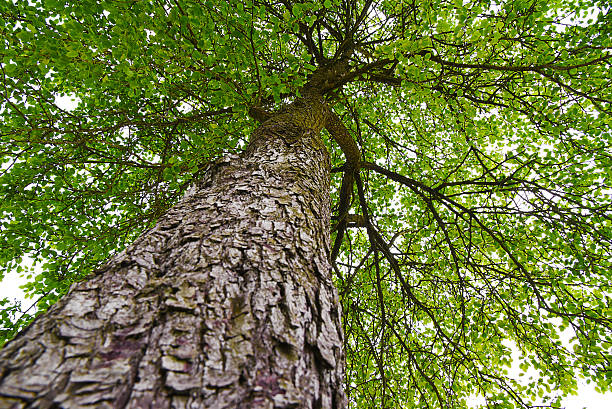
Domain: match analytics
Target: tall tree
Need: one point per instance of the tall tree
(470, 201)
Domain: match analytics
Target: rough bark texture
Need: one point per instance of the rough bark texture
(226, 303)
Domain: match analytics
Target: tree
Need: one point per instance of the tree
(470, 199)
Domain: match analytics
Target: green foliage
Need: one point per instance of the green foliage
(485, 132)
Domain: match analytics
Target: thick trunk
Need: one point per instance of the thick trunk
(226, 303)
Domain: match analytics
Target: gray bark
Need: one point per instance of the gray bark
(226, 303)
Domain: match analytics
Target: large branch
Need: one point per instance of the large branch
(342, 137)
(516, 68)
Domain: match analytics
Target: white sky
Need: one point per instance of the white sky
(587, 396)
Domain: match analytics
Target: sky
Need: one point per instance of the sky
(587, 396)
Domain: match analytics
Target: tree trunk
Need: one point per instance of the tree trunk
(226, 303)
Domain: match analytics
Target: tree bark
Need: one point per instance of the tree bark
(226, 303)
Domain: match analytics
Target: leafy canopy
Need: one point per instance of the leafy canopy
(478, 224)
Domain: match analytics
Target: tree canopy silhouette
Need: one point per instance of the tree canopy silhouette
(471, 167)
